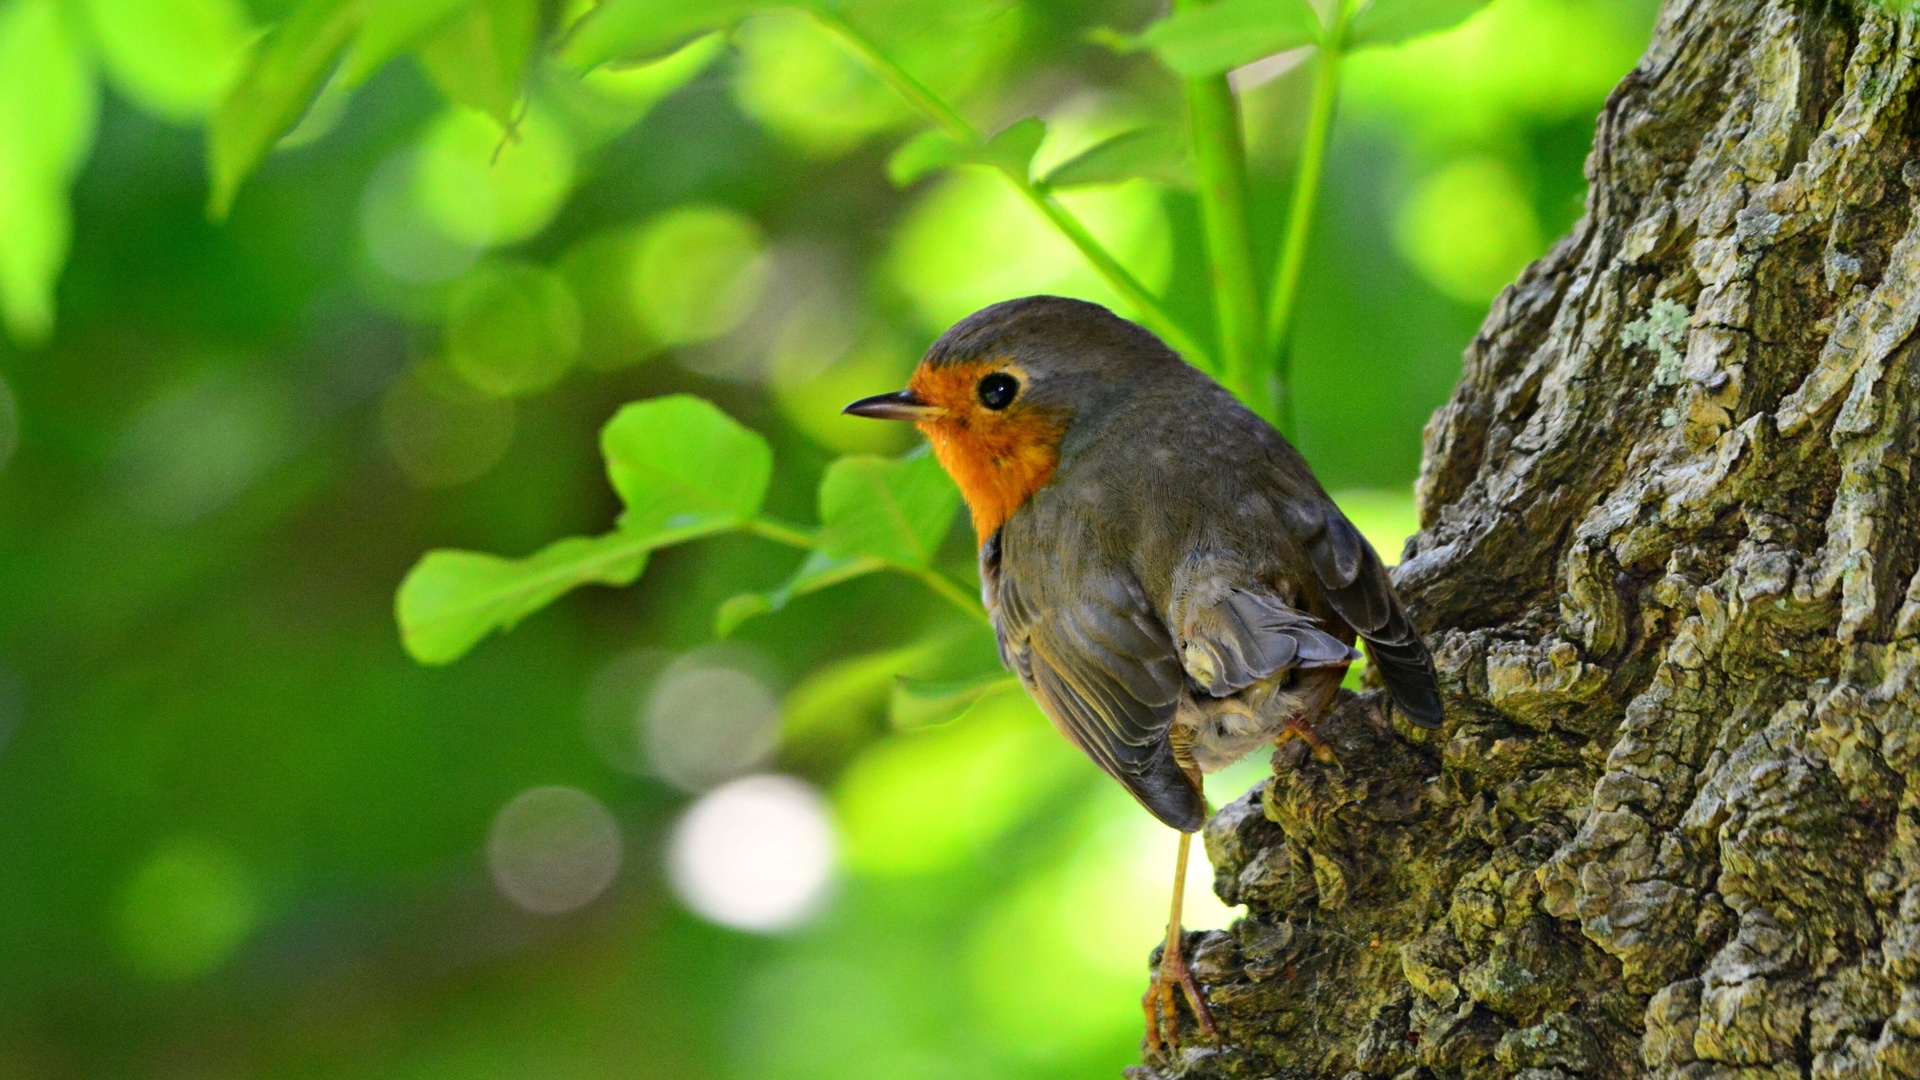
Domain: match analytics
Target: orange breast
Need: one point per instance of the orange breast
(998, 459)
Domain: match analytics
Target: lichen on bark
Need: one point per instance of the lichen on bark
(1668, 564)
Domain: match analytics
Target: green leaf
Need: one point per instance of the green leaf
(684, 467)
(389, 29)
(1387, 22)
(1011, 151)
(930, 151)
(817, 572)
(1218, 37)
(621, 96)
(452, 599)
(48, 102)
(480, 58)
(919, 703)
(684, 470)
(876, 513)
(840, 699)
(895, 510)
(630, 31)
(282, 75)
(1155, 152)
(174, 58)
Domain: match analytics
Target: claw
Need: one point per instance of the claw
(1163, 1019)
(1298, 728)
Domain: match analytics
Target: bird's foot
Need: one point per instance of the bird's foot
(1298, 728)
(1163, 1022)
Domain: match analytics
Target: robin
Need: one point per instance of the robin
(1164, 573)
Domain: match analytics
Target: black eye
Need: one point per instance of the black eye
(998, 389)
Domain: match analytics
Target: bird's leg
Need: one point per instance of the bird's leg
(1173, 969)
(1318, 698)
(1298, 728)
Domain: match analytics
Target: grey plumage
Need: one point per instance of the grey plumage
(1183, 563)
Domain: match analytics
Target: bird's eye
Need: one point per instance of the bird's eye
(997, 390)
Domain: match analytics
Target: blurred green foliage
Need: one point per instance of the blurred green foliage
(246, 834)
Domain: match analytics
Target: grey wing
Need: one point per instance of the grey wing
(1247, 635)
(1357, 588)
(1103, 668)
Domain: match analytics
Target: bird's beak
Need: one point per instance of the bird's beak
(900, 405)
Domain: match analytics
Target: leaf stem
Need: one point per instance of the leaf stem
(1306, 194)
(1118, 277)
(948, 588)
(1220, 164)
(780, 532)
(903, 81)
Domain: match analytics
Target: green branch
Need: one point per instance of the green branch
(1118, 278)
(1306, 195)
(1220, 165)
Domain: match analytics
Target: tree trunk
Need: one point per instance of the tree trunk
(1668, 569)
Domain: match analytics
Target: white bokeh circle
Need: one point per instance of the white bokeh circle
(754, 854)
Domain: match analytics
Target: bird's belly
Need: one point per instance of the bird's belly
(1221, 731)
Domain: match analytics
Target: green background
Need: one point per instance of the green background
(242, 834)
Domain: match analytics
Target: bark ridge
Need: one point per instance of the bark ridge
(1668, 566)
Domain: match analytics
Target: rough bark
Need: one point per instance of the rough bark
(1668, 565)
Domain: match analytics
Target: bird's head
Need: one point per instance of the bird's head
(1001, 390)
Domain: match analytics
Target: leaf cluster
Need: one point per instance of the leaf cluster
(681, 467)
(684, 470)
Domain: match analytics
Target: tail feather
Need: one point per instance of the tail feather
(1407, 669)
(1358, 589)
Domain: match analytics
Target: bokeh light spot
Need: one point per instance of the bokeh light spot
(807, 88)
(698, 272)
(186, 909)
(196, 449)
(512, 328)
(708, 720)
(1511, 63)
(439, 430)
(483, 186)
(614, 710)
(599, 270)
(398, 238)
(1468, 229)
(973, 241)
(816, 370)
(553, 849)
(755, 854)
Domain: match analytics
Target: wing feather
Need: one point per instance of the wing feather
(1247, 635)
(1102, 667)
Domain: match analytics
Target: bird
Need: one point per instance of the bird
(1162, 570)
